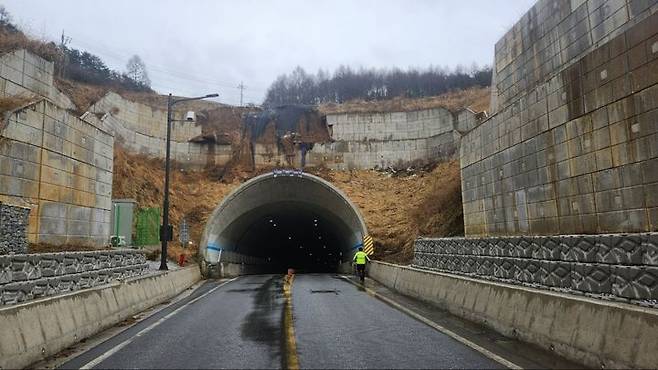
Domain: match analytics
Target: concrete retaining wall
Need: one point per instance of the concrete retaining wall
(56, 164)
(32, 331)
(142, 129)
(59, 166)
(26, 74)
(593, 332)
(25, 277)
(553, 34)
(572, 149)
(369, 140)
(13, 228)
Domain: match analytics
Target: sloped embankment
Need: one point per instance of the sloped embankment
(397, 208)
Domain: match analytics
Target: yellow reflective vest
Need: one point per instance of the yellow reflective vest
(360, 258)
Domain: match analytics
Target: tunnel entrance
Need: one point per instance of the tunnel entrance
(284, 219)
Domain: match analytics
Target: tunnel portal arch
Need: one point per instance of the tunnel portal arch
(284, 219)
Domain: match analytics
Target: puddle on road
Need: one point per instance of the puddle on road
(245, 290)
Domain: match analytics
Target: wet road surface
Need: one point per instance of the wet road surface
(337, 325)
(242, 324)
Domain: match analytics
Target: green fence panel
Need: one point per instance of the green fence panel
(147, 226)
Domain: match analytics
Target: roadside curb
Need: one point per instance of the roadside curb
(80, 348)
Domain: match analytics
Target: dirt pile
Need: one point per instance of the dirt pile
(476, 98)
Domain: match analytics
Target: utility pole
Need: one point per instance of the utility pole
(241, 86)
(65, 40)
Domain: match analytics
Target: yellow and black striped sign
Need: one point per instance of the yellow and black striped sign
(368, 245)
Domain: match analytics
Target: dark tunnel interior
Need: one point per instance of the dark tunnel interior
(292, 235)
(274, 222)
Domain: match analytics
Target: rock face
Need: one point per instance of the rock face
(13, 229)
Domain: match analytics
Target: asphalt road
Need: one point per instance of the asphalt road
(242, 324)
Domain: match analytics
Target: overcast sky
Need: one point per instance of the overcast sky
(194, 47)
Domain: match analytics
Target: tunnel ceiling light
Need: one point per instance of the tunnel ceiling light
(271, 220)
(290, 238)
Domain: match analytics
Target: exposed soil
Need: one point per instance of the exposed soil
(397, 208)
(193, 194)
(48, 248)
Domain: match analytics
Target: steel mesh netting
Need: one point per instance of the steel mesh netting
(147, 226)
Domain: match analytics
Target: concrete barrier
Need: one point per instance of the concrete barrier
(592, 332)
(31, 331)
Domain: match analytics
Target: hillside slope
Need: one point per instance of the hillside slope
(396, 208)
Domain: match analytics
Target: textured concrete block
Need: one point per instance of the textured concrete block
(635, 283)
(593, 278)
(556, 273)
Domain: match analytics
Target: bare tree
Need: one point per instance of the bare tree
(346, 84)
(136, 70)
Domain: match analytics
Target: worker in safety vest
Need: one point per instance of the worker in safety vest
(360, 259)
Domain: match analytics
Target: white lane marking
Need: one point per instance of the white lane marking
(440, 328)
(126, 342)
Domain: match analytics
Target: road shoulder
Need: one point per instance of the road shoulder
(85, 346)
(507, 351)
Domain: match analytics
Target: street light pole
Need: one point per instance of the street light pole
(166, 229)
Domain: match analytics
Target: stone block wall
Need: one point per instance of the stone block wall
(369, 140)
(61, 168)
(552, 35)
(142, 129)
(56, 164)
(572, 148)
(26, 74)
(29, 276)
(620, 267)
(13, 229)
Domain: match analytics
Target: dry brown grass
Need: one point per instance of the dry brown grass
(14, 41)
(160, 101)
(193, 195)
(476, 98)
(9, 103)
(399, 209)
(396, 209)
(81, 94)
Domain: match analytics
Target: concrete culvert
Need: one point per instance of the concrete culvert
(279, 220)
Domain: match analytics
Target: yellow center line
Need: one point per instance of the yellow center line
(292, 361)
